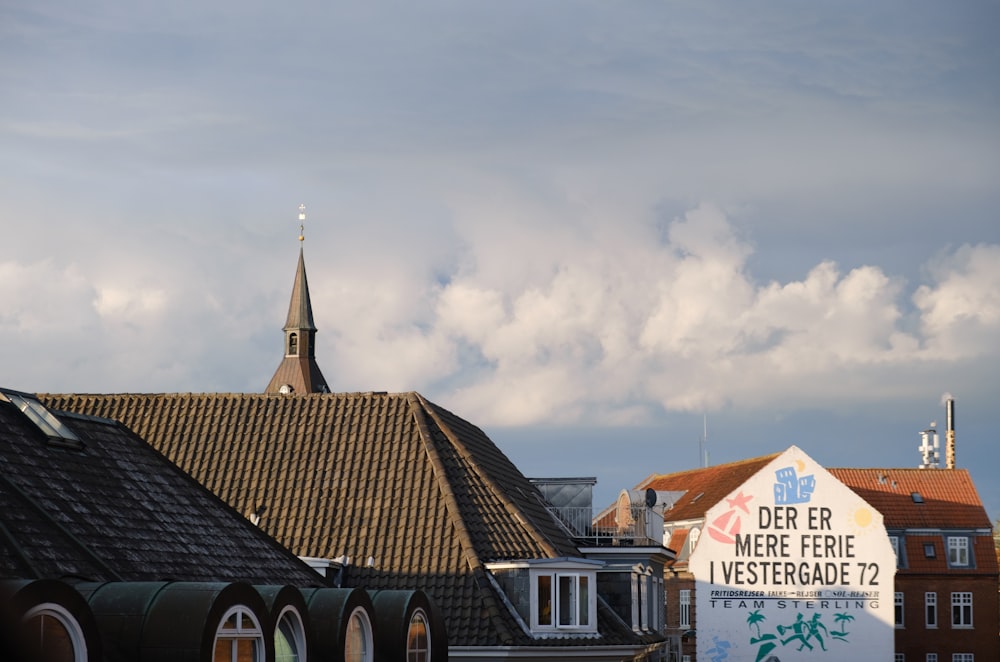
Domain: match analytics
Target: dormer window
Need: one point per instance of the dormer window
(551, 596)
(958, 551)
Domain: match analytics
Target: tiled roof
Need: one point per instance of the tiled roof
(917, 562)
(949, 497)
(704, 487)
(115, 509)
(393, 478)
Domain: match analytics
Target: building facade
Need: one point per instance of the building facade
(945, 600)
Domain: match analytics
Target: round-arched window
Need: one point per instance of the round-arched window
(52, 633)
(358, 643)
(239, 637)
(289, 637)
(418, 642)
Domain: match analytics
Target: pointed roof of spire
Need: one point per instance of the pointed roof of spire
(300, 314)
(298, 371)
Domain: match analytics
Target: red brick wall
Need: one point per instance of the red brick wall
(915, 639)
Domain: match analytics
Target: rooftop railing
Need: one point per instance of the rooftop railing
(637, 525)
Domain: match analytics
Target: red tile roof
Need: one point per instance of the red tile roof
(950, 497)
(704, 487)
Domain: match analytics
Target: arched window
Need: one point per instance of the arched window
(289, 637)
(239, 637)
(418, 643)
(53, 634)
(293, 344)
(358, 644)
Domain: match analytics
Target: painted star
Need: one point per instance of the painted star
(740, 501)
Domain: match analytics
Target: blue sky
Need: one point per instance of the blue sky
(584, 226)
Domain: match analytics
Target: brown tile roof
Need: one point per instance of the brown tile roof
(392, 477)
(950, 497)
(115, 509)
(704, 487)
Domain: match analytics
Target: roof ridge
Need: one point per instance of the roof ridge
(500, 494)
(726, 465)
(420, 413)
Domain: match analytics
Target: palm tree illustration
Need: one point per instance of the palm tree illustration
(754, 619)
(843, 618)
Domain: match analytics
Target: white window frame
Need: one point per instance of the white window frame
(958, 551)
(900, 657)
(360, 618)
(291, 616)
(899, 610)
(684, 600)
(557, 579)
(247, 629)
(960, 600)
(415, 653)
(930, 609)
(931, 657)
(963, 657)
(67, 621)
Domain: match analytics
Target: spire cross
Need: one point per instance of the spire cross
(302, 222)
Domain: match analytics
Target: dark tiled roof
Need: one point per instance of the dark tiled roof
(300, 312)
(393, 478)
(117, 510)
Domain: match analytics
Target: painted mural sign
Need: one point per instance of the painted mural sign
(793, 565)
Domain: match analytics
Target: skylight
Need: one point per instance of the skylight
(917, 497)
(43, 419)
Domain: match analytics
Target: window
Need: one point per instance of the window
(565, 596)
(418, 643)
(899, 609)
(289, 637)
(293, 344)
(52, 634)
(929, 550)
(930, 609)
(239, 637)
(553, 595)
(43, 419)
(900, 657)
(894, 541)
(963, 657)
(358, 645)
(958, 551)
(685, 604)
(961, 610)
(931, 657)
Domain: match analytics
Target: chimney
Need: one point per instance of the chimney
(949, 452)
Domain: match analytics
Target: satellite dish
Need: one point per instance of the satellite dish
(650, 497)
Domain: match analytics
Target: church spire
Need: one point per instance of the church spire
(298, 371)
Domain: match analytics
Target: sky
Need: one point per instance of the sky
(596, 230)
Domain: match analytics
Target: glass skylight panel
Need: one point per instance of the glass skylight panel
(39, 415)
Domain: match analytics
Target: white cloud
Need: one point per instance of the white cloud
(960, 311)
(574, 332)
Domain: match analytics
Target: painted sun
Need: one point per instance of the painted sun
(861, 519)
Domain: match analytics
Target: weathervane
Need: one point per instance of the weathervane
(302, 222)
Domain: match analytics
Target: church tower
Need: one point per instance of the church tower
(298, 371)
